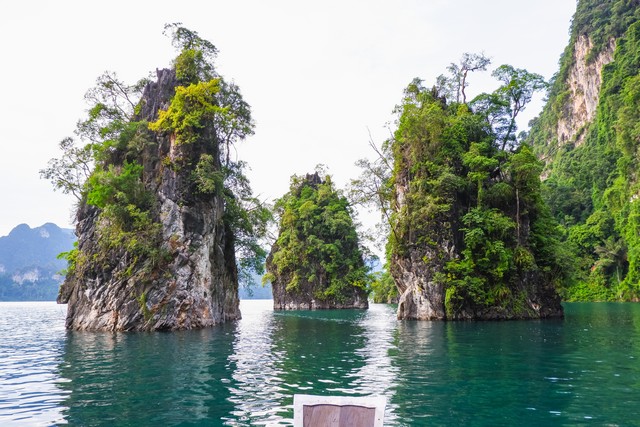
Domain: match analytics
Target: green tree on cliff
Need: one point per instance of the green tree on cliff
(106, 171)
(317, 253)
(466, 198)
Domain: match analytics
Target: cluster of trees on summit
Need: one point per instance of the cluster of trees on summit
(452, 163)
(457, 167)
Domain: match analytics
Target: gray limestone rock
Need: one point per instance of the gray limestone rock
(194, 284)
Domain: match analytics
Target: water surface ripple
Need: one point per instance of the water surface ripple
(577, 371)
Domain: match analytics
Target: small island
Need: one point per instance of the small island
(163, 210)
(316, 261)
(470, 237)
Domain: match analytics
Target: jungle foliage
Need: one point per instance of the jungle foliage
(592, 188)
(107, 171)
(317, 247)
(383, 288)
(458, 169)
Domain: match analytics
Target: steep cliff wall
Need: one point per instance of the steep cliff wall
(583, 90)
(192, 280)
(421, 296)
(574, 96)
(587, 137)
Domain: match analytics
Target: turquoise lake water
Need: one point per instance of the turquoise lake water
(583, 370)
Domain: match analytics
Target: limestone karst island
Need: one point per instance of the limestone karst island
(165, 216)
(398, 214)
(482, 220)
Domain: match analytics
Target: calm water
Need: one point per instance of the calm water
(584, 370)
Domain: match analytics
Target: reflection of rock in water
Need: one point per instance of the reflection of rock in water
(31, 392)
(259, 394)
(147, 379)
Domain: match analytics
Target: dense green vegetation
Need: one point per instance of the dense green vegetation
(469, 181)
(317, 251)
(112, 172)
(383, 288)
(603, 20)
(592, 188)
(457, 187)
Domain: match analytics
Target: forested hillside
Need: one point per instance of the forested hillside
(29, 267)
(588, 137)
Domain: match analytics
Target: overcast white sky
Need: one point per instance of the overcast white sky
(318, 75)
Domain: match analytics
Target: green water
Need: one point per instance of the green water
(583, 370)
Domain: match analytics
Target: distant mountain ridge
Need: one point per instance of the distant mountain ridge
(29, 268)
(255, 290)
(25, 246)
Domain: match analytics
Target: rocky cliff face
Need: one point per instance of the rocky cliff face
(421, 297)
(419, 270)
(192, 281)
(583, 90)
(305, 298)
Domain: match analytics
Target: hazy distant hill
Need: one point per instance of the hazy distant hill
(255, 291)
(28, 264)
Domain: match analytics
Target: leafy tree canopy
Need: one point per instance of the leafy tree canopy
(457, 171)
(317, 249)
(107, 171)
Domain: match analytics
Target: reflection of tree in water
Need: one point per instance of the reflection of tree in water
(320, 350)
(433, 373)
(147, 378)
(479, 373)
(602, 353)
(504, 368)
